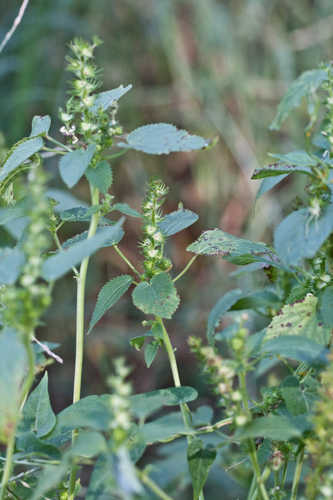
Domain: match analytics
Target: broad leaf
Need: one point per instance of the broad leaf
(19, 153)
(108, 296)
(162, 138)
(293, 396)
(40, 125)
(305, 85)
(64, 199)
(200, 459)
(100, 176)
(147, 403)
(74, 164)
(296, 161)
(28, 443)
(296, 347)
(158, 297)
(177, 221)
(298, 237)
(165, 428)
(150, 352)
(89, 444)
(13, 366)
(125, 209)
(105, 99)
(220, 308)
(271, 427)
(102, 483)
(38, 415)
(269, 183)
(300, 318)
(49, 478)
(78, 214)
(11, 263)
(59, 264)
(326, 306)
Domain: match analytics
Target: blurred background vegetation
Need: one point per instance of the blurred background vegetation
(214, 67)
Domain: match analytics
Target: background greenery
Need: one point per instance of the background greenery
(216, 68)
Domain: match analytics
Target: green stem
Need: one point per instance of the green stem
(59, 246)
(11, 441)
(186, 268)
(58, 143)
(152, 485)
(297, 474)
(128, 262)
(79, 349)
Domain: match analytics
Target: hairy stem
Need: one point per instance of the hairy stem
(297, 474)
(79, 349)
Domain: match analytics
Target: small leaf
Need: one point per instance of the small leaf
(11, 263)
(137, 342)
(74, 164)
(293, 396)
(125, 209)
(271, 427)
(200, 459)
(40, 125)
(100, 176)
(147, 403)
(298, 237)
(19, 153)
(78, 214)
(158, 297)
(296, 161)
(177, 221)
(296, 347)
(326, 306)
(220, 308)
(38, 415)
(306, 84)
(162, 138)
(269, 183)
(105, 99)
(59, 264)
(150, 352)
(300, 318)
(108, 296)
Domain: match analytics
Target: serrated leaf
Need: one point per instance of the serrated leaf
(299, 318)
(200, 459)
(40, 125)
(11, 263)
(177, 221)
(235, 250)
(147, 403)
(125, 209)
(304, 85)
(100, 176)
(296, 161)
(293, 396)
(59, 264)
(271, 427)
(162, 138)
(19, 153)
(158, 297)
(105, 99)
(74, 164)
(64, 199)
(108, 296)
(326, 306)
(150, 352)
(269, 183)
(298, 237)
(78, 214)
(38, 415)
(220, 308)
(296, 347)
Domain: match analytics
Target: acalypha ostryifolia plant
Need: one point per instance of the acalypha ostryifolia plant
(271, 439)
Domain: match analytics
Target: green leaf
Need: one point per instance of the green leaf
(108, 296)
(138, 341)
(231, 248)
(19, 153)
(300, 318)
(147, 403)
(102, 482)
(28, 443)
(100, 176)
(40, 125)
(162, 138)
(220, 308)
(298, 237)
(158, 297)
(38, 415)
(126, 477)
(150, 352)
(11, 263)
(165, 428)
(271, 427)
(293, 396)
(106, 99)
(13, 366)
(296, 161)
(326, 306)
(49, 478)
(296, 347)
(177, 221)
(64, 199)
(74, 164)
(200, 459)
(125, 209)
(304, 85)
(269, 183)
(89, 444)
(78, 214)
(59, 264)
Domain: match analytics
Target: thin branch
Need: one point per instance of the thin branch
(48, 351)
(16, 22)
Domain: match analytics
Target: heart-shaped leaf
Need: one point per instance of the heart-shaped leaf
(159, 297)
